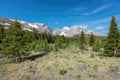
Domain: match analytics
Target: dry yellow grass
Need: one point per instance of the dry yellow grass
(79, 67)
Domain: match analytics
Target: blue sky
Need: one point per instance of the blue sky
(89, 14)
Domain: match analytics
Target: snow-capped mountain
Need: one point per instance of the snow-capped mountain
(6, 22)
(69, 32)
(26, 25)
(66, 31)
(38, 26)
(66, 28)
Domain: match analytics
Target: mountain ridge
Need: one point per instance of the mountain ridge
(70, 32)
(41, 27)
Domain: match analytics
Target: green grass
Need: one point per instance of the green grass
(62, 71)
(81, 61)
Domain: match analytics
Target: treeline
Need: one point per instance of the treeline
(16, 42)
(91, 42)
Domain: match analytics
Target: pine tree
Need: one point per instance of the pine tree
(82, 41)
(2, 33)
(36, 34)
(15, 41)
(46, 46)
(111, 47)
(57, 43)
(92, 39)
(118, 54)
(97, 45)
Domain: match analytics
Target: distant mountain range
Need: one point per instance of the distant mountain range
(66, 31)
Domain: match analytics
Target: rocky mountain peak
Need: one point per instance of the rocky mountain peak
(26, 25)
(66, 31)
(66, 28)
(75, 30)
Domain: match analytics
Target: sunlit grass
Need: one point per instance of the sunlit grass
(78, 66)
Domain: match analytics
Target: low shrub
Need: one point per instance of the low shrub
(62, 71)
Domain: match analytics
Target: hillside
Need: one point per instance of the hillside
(78, 66)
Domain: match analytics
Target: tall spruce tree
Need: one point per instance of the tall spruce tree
(15, 41)
(92, 39)
(82, 41)
(112, 47)
(2, 33)
(36, 34)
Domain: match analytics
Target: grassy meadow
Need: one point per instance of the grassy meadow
(67, 64)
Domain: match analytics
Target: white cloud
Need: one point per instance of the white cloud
(100, 9)
(103, 20)
(100, 28)
(97, 10)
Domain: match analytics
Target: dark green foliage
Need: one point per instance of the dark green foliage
(45, 46)
(112, 43)
(57, 45)
(49, 37)
(81, 61)
(43, 36)
(61, 42)
(92, 55)
(82, 41)
(2, 33)
(103, 42)
(36, 34)
(62, 71)
(39, 46)
(97, 45)
(92, 39)
(16, 40)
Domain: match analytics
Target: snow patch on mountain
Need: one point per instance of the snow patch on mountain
(66, 28)
(22, 22)
(74, 30)
(33, 25)
(63, 33)
(40, 27)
